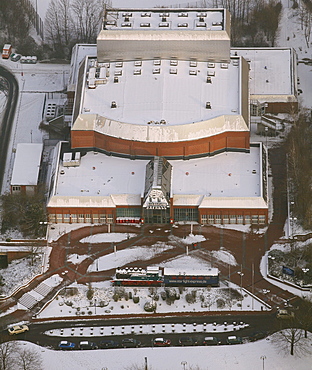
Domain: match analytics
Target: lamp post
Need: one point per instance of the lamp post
(241, 285)
(263, 358)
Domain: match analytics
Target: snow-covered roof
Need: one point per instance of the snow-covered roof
(170, 18)
(190, 271)
(224, 175)
(172, 92)
(271, 72)
(26, 164)
(226, 180)
(157, 132)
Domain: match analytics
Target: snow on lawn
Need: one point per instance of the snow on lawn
(128, 255)
(238, 357)
(19, 272)
(224, 256)
(107, 238)
(107, 300)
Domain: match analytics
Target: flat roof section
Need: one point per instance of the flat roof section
(161, 18)
(101, 175)
(224, 175)
(169, 92)
(271, 70)
(26, 164)
(194, 182)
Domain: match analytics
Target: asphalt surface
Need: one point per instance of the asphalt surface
(8, 118)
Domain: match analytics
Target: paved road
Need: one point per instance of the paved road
(8, 118)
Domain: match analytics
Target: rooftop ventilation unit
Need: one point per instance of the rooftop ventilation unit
(156, 71)
(138, 63)
(193, 64)
(163, 24)
(116, 80)
(182, 24)
(114, 104)
(126, 24)
(164, 15)
(235, 63)
(183, 15)
(192, 72)
(173, 71)
(199, 15)
(137, 72)
(210, 65)
(118, 72)
(127, 14)
(201, 24)
(217, 23)
(145, 24)
(208, 105)
(173, 62)
(211, 73)
(157, 62)
(111, 23)
(209, 80)
(224, 65)
(118, 64)
(145, 14)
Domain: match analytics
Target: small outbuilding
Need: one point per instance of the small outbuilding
(26, 168)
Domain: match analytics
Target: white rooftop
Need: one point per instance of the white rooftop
(271, 70)
(171, 92)
(106, 181)
(176, 19)
(26, 164)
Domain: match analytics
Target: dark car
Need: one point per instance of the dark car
(234, 340)
(85, 344)
(210, 341)
(161, 342)
(257, 335)
(108, 344)
(64, 344)
(187, 341)
(130, 343)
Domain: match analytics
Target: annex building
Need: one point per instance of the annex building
(161, 125)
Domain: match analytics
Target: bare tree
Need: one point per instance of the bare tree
(290, 340)
(28, 359)
(7, 353)
(87, 16)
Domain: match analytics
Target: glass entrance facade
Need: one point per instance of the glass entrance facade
(157, 216)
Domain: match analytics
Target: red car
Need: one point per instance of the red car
(162, 342)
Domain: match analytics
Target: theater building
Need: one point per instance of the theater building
(161, 125)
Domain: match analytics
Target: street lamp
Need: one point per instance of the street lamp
(241, 285)
(263, 358)
(184, 363)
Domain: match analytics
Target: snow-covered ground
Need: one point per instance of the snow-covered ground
(262, 354)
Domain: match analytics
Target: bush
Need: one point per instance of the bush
(90, 293)
(116, 297)
(136, 299)
(189, 297)
(163, 295)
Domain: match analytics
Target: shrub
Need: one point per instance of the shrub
(163, 295)
(136, 299)
(189, 297)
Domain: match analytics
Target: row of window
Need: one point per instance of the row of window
(233, 219)
(81, 218)
(183, 214)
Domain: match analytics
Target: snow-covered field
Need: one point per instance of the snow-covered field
(262, 354)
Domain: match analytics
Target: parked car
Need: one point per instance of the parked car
(285, 314)
(257, 335)
(18, 329)
(211, 341)
(65, 344)
(107, 343)
(15, 57)
(234, 340)
(187, 341)
(85, 344)
(130, 343)
(161, 342)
